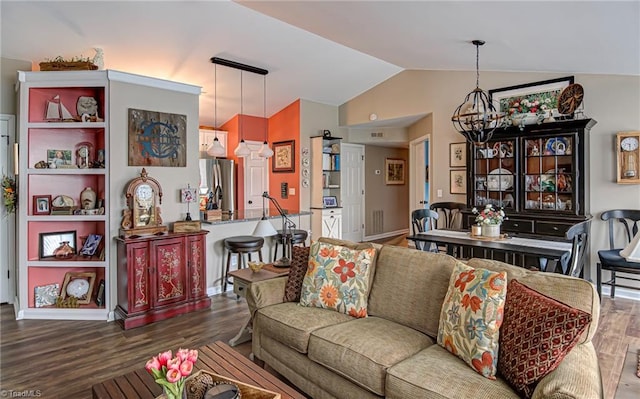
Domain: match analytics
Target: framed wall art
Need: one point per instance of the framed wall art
(394, 171)
(41, 204)
(458, 155)
(91, 245)
(530, 97)
(458, 181)
(283, 159)
(157, 138)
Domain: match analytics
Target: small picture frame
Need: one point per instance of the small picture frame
(79, 285)
(41, 204)
(46, 295)
(59, 158)
(283, 159)
(50, 242)
(394, 171)
(458, 155)
(100, 293)
(188, 194)
(330, 201)
(91, 245)
(458, 181)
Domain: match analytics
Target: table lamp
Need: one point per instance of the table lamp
(287, 228)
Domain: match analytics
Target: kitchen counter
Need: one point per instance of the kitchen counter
(245, 215)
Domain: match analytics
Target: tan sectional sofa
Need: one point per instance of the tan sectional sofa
(393, 353)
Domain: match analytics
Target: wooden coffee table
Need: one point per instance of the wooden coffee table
(218, 358)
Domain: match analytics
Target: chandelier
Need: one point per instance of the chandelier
(476, 118)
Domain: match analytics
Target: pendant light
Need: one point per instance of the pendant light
(476, 118)
(265, 151)
(243, 149)
(216, 149)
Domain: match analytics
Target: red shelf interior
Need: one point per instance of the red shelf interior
(38, 98)
(39, 276)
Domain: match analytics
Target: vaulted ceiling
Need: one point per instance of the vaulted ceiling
(323, 51)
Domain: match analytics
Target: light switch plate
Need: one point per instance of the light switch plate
(439, 193)
(292, 191)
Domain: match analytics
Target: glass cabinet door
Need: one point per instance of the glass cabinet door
(494, 175)
(549, 174)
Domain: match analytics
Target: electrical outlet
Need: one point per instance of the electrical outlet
(439, 193)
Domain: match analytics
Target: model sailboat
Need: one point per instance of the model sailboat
(56, 111)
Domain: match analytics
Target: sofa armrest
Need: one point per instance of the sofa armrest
(265, 293)
(577, 377)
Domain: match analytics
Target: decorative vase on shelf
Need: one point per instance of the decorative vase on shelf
(64, 250)
(491, 230)
(88, 198)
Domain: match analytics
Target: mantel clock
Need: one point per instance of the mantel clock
(144, 196)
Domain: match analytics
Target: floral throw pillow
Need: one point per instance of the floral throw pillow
(471, 317)
(337, 278)
(299, 262)
(537, 334)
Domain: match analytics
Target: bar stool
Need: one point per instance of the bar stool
(239, 245)
(298, 237)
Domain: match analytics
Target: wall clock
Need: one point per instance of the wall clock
(144, 196)
(628, 154)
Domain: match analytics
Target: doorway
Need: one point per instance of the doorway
(7, 221)
(256, 177)
(352, 191)
(419, 191)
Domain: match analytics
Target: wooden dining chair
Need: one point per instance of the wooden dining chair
(423, 220)
(628, 220)
(579, 236)
(451, 213)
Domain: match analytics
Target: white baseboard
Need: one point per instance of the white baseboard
(622, 293)
(386, 235)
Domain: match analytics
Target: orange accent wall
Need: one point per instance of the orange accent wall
(284, 126)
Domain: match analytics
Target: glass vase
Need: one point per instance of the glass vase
(167, 394)
(491, 230)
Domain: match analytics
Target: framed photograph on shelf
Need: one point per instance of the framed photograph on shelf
(283, 159)
(60, 244)
(394, 171)
(458, 155)
(458, 181)
(330, 201)
(523, 98)
(41, 204)
(78, 285)
(59, 158)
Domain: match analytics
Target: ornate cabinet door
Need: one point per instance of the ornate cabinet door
(169, 271)
(196, 266)
(135, 296)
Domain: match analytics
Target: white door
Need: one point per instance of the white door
(7, 222)
(256, 177)
(419, 188)
(352, 191)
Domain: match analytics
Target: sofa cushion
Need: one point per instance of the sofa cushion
(337, 278)
(575, 292)
(409, 287)
(292, 324)
(362, 350)
(472, 315)
(537, 334)
(299, 262)
(436, 373)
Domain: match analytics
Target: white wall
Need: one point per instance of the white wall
(613, 101)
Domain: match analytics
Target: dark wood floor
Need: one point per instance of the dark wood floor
(63, 359)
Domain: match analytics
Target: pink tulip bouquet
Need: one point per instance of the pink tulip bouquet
(171, 372)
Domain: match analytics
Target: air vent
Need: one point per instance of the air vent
(377, 134)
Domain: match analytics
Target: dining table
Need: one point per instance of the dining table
(512, 249)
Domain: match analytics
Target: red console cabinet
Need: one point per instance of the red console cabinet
(160, 277)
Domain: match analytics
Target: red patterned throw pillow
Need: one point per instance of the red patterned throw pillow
(299, 263)
(537, 333)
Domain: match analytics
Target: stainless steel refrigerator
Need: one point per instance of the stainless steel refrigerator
(218, 183)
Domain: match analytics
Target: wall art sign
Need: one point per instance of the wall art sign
(157, 138)
(458, 181)
(394, 171)
(283, 159)
(458, 155)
